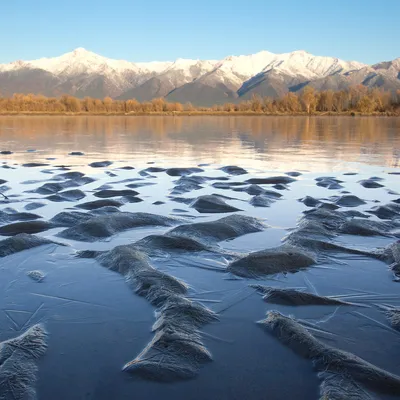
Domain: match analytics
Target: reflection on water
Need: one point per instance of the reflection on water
(97, 325)
(315, 144)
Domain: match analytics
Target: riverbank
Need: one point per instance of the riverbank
(204, 113)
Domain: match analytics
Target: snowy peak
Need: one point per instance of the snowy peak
(246, 66)
(81, 61)
(238, 68)
(80, 51)
(185, 66)
(234, 71)
(389, 68)
(153, 66)
(303, 64)
(84, 73)
(14, 66)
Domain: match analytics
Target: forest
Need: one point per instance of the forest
(356, 100)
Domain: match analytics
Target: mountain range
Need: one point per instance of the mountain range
(202, 82)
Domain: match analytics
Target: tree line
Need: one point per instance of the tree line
(357, 99)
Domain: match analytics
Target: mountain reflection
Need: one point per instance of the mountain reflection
(283, 142)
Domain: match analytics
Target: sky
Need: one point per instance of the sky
(159, 30)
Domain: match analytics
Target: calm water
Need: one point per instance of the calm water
(315, 144)
(96, 324)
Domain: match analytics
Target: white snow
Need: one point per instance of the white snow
(82, 61)
(154, 66)
(232, 71)
(246, 66)
(303, 64)
(298, 62)
(238, 69)
(13, 66)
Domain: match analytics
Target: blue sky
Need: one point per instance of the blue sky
(362, 30)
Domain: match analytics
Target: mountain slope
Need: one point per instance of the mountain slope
(272, 84)
(203, 82)
(176, 75)
(200, 94)
(28, 80)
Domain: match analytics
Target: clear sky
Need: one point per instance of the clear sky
(148, 30)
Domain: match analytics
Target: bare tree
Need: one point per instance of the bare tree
(308, 99)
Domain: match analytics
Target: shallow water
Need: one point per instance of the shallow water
(96, 324)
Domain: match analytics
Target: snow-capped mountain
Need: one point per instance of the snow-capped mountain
(175, 75)
(203, 82)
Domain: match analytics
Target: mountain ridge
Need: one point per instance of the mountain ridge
(202, 82)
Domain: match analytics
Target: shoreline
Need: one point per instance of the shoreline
(198, 114)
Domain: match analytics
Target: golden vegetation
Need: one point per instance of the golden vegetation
(358, 99)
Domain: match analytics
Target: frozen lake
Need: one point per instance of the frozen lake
(175, 168)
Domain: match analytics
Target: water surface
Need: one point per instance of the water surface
(96, 324)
